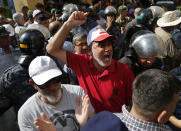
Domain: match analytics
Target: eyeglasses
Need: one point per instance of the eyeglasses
(52, 81)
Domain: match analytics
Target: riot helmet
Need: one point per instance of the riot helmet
(64, 17)
(157, 11)
(147, 44)
(67, 11)
(145, 18)
(110, 10)
(32, 42)
(70, 8)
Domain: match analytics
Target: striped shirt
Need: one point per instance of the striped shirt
(134, 124)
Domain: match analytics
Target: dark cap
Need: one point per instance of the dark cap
(39, 5)
(122, 7)
(3, 31)
(24, 7)
(42, 17)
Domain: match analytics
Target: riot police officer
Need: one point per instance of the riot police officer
(146, 20)
(14, 82)
(145, 52)
(67, 10)
(113, 28)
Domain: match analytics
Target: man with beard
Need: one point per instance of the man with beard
(56, 100)
(106, 81)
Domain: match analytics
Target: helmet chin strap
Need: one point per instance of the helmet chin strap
(25, 59)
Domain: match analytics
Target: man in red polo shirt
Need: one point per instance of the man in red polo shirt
(107, 82)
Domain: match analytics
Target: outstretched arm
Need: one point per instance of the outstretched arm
(176, 122)
(54, 47)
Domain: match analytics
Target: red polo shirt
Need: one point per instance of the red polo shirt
(108, 90)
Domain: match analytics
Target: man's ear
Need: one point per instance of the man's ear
(162, 117)
(74, 47)
(32, 83)
(90, 49)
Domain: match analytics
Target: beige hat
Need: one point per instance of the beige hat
(169, 19)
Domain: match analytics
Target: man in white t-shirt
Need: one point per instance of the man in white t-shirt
(59, 104)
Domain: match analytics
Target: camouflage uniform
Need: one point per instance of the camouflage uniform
(123, 22)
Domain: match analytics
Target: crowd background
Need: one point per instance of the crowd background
(125, 19)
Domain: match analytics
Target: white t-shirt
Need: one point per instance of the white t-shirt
(32, 108)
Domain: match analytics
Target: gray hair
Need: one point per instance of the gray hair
(17, 17)
(78, 36)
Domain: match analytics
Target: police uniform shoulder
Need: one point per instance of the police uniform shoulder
(14, 72)
(9, 69)
(176, 31)
(15, 67)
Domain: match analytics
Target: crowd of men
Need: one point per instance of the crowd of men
(112, 65)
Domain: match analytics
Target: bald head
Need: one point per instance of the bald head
(54, 26)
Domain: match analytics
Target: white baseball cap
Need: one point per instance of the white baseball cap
(43, 69)
(10, 29)
(36, 12)
(98, 34)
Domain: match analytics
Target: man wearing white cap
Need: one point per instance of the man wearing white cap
(41, 23)
(106, 81)
(12, 35)
(56, 100)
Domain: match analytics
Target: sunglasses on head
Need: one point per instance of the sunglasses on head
(52, 81)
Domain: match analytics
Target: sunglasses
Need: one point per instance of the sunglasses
(52, 81)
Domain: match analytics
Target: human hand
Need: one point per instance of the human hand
(110, 20)
(44, 124)
(77, 18)
(82, 109)
(122, 30)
